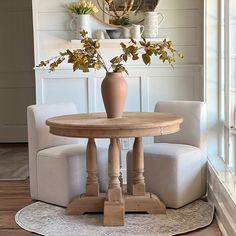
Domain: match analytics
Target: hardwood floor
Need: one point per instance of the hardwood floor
(14, 195)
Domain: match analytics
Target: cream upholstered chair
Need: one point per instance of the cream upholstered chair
(57, 165)
(175, 165)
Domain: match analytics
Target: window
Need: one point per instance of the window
(228, 82)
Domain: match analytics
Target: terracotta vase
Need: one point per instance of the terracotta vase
(114, 92)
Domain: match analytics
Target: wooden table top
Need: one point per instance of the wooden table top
(132, 124)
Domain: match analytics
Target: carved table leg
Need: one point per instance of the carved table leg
(91, 201)
(120, 177)
(92, 186)
(140, 201)
(114, 206)
(138, 188)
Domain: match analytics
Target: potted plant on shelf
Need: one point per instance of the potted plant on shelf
(81, 11)
(114, 86)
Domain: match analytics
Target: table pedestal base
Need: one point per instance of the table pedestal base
(149, 203)
(83, 203)
(114, 213)
(114, 210)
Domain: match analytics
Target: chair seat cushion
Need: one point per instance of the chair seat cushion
(61, 172)
(173, 172)
(62, 151)
(171, 150)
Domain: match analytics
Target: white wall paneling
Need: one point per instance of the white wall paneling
(146, 86)
(183, 24)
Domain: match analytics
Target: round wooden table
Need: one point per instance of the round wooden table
(96, 125)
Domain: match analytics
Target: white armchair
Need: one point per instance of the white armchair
(175, 165)
(57, 165)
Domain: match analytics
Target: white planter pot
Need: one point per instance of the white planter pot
(152, 20)
(80, 23)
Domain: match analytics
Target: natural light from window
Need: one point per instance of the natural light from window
(228, 78)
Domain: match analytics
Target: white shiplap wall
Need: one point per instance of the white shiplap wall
(183, 23)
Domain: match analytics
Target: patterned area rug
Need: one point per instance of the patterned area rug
(50, 220)
(14, 163)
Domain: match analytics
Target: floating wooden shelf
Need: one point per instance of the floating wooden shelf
(118, 41)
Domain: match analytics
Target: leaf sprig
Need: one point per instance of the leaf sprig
(90, 56)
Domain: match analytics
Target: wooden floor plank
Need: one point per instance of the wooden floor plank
(14, 195)
(13, 145)
(19, 232)
(7, 220)
(11, 204)
(14, 183)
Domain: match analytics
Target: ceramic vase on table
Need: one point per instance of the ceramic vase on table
(80, 23)
(152, 20)
(114, 92)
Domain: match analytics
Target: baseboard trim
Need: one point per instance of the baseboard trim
(223, 200)
(221, 226)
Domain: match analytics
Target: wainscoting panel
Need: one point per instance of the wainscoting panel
(57, 90)
(146, 86)
(170, 88)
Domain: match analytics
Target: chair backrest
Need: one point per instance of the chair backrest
(39, 137)
(193, 128)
